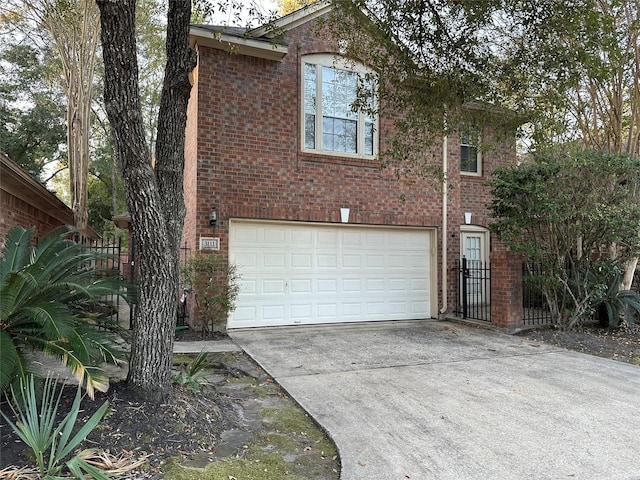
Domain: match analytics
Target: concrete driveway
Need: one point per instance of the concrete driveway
(436, 400)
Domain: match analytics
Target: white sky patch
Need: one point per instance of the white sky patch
(245, 12)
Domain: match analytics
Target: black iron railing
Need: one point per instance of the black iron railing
(534, 303)
(474, 290)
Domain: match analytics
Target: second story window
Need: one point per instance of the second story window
(330, 122)
(470, 159)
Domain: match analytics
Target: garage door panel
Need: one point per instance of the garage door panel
(273, 287)
(274, 260)
(301, 236)
(301, 260)
(327, 238)
(351, 285)
(315, 273)
(374, 261)
(247, 287)
(300, 286)
(329, 285)
(327, 260)
(273, 236)
(327, 311)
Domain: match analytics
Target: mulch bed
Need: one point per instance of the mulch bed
(622, 343)
(189, 424)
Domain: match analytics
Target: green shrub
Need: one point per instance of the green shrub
(214, 287)
(42, 293)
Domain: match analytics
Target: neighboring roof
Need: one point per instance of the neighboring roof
(258, 42)
(236, 40)
(17, 182)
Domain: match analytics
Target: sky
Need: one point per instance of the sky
(263, 6)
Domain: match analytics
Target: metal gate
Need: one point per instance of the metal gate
(474, 290)
(107, 262)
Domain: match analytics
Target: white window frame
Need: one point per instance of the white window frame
(339, 63)
(466, 141)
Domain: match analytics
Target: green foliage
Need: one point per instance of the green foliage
(575, 216)
(42, 292)
(52, 445)
(617, 306)
(31, 111)
(214, 286)
(193, 376)
(567, 70)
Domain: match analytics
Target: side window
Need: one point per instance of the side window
(331, 123)
(470, 156)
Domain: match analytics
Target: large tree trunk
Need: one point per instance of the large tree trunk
(154, 197)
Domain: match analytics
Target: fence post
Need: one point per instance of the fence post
(506, 289)
(465, 298)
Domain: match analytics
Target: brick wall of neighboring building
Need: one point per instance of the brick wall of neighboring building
(25, 202)
(14, 211)
(244, 156)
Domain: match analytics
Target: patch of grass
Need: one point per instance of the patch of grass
(292, 419)
(254, 466)
(263, 390)
(296, 449)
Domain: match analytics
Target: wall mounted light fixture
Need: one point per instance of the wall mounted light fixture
(467, 218)
(344, 215)
(213, 216)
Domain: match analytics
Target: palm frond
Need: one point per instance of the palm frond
(42, 291)
(16, 252)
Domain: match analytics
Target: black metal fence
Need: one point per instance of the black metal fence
(183, 308)
(534, 304)
(474, 290)
(107, 261)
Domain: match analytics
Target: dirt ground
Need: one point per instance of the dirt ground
(244, 421)
(622, 343)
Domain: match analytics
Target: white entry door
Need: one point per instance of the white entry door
(305, 273)
(475, 251)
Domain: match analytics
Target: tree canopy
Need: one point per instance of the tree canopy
(575, 216)
(570, 71)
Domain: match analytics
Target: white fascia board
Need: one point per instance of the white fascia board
(240, 45)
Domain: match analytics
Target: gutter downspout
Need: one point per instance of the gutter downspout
(445, 187)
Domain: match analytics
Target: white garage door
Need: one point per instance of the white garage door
(301, 273)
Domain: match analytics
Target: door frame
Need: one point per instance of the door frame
(467, 231)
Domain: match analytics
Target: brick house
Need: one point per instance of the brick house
(26, 202)
(317, 230)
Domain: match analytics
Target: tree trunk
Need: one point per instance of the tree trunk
(75, 29)
(154, 197)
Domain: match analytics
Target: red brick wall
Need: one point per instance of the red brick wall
(506, 286)
(248, 162)
(14, 211)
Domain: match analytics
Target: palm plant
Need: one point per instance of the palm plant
(617, 305)
(40, 289)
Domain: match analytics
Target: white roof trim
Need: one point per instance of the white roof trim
(240, 45)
